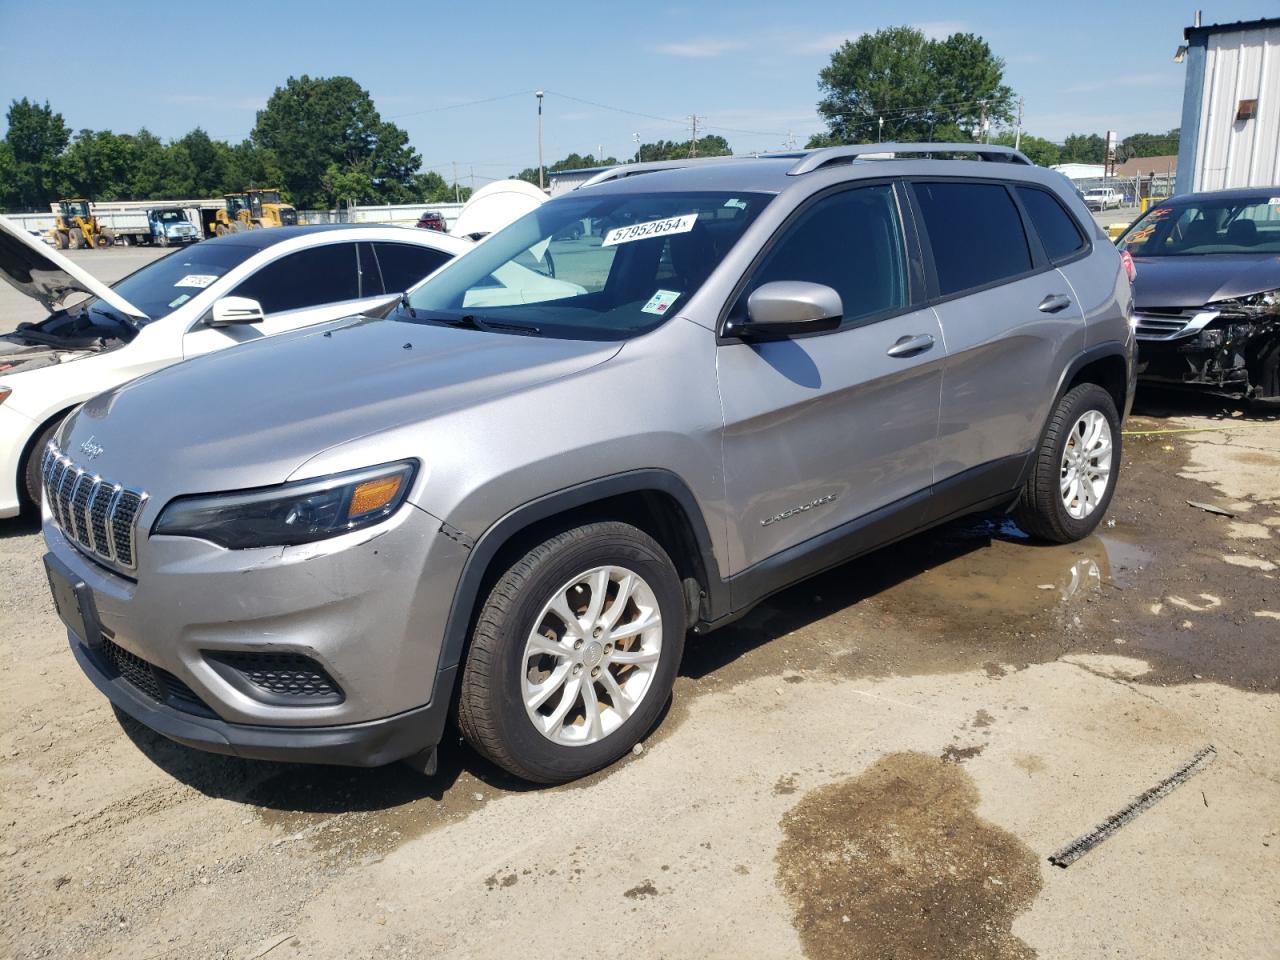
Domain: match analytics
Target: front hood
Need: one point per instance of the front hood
(41, 272)
(252, 415)
(1195, 281)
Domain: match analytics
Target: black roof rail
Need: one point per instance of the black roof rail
(828, 156)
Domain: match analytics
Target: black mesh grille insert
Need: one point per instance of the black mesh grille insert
(155, 683)
(122, 524)
(133, 668)
(282, 677)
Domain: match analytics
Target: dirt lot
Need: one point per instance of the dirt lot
(876, 763)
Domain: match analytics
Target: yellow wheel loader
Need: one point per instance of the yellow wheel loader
(253, 209)
(77, 227)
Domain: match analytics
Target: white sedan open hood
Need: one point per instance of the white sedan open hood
(42, 273)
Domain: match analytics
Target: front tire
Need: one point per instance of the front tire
(32, 482)
(1075, 470)
(574, 653)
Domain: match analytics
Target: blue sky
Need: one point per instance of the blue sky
(749, 68)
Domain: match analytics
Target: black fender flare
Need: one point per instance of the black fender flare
(487, 546)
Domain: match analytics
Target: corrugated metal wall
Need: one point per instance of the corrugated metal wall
(1239, 65)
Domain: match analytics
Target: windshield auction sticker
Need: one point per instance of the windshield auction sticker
(661, 302)
(651, 228)
(200, 280)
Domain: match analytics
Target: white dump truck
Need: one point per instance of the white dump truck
(165, 226)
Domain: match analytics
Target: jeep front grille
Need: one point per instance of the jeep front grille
(97, 515)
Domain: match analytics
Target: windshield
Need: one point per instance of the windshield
(269, 196)
(589, 267)
(171, 281)
(1221, 225)
(171, 216)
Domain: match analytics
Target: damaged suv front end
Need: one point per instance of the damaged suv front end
(1207, 293)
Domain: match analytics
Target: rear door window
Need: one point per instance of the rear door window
(1057, 228)
(308, 278)
(850, 241)
(975, 233)
(404, 264)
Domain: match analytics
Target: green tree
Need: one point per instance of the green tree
(8, 176)
(311, 123)
(208, 159)
(352, 183)
(97, 165)
(36, 138)
(922, 89)
(1084, 148)
(573, 161)
(1149, 144)
(430, 187)
(1039, 151)
(711, 145)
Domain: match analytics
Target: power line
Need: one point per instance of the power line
(459, 106)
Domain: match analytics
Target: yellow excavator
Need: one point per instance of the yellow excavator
(252, 210)
(77, 226)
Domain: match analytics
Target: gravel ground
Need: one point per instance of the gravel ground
(875, 763)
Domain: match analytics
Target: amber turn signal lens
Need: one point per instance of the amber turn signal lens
(374, 495)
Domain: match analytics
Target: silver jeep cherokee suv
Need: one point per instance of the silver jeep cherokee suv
(507, 505)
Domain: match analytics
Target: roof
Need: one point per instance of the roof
(269, 236)
(1238, 26)
(1240, 192)
(775, 172)
(1136, 165)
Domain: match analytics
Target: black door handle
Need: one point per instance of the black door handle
(1054, 303)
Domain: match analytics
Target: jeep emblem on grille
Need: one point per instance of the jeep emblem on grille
(90, 448)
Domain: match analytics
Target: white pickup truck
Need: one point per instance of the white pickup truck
(1103, 198)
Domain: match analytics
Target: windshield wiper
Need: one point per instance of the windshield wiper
(469, 321)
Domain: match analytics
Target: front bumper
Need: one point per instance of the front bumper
(15, 434)
(367, 609)
(370, 744)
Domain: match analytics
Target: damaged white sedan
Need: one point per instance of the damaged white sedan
(213, 295)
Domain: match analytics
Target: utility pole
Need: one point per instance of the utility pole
(1017, 137)
(982, 123)
(541, 174)
(636, 138)
(693, 140)
(880, 130)
(457, 197)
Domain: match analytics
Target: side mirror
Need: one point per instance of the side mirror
(230, 311)
(787, 308)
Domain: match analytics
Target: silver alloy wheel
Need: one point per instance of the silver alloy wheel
(591, 656)
(1086, 464)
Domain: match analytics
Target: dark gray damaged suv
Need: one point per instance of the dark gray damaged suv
(504, 504)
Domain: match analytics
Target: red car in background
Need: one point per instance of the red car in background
(431, 220)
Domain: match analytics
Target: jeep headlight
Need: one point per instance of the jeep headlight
(291, 513)
(1257, 306)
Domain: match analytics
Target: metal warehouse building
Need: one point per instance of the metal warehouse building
(1230, 106)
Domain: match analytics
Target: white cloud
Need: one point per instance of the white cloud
(699, 48)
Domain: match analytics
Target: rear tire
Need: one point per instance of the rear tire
(1075, 470)
(538, 685)
(74, 241)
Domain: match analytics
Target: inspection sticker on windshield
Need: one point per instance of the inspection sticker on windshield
(651, 228)
(661, 301)
(180, 301)
(200, 280)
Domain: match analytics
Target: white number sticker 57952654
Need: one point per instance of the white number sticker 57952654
(650, 228)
